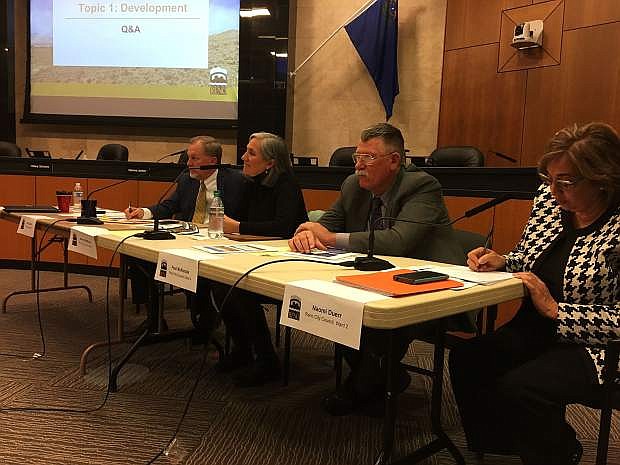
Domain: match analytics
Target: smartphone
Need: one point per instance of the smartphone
(420, 277)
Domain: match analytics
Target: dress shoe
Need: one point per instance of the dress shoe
(575, 456)
(146, 324)
(261, 372)
(349, 398)
(233, 361)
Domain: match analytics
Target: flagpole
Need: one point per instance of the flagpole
(367, 5)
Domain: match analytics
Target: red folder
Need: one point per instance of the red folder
(383, 283)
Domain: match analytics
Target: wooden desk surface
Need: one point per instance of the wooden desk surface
(271, 280)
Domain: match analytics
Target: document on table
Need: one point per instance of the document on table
(244, 247)
(326, 256)
(465, 274)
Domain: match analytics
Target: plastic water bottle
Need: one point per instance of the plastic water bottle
(216, 217)
(78, 195)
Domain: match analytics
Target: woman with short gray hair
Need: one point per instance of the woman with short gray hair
(273, 206)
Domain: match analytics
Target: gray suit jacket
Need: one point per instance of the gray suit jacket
(415, 196)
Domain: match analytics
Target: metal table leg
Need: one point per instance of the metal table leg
(33, 262)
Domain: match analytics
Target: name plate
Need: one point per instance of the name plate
(326, 309)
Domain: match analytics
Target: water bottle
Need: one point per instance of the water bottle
(216, 217)
(78, 195)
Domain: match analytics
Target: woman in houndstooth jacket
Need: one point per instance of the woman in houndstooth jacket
(512, 386)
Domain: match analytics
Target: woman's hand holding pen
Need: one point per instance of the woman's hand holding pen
(483, 259)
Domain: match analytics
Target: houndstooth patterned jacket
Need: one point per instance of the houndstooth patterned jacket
(590, 311)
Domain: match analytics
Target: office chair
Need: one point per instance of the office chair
(9, 149)
(114, 152)
(342, 156)
(606, 398)
(456, 156)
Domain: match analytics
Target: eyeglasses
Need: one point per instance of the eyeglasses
(561, 184)
(368, 158)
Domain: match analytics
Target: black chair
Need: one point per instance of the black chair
(114, 152)
(456, 156)
(9, 149)
(607, 398)
(342, 156)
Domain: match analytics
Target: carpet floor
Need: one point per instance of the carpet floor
(225, 425)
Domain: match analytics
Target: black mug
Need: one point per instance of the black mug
(89, 208)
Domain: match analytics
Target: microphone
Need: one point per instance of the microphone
(371, 263)
(77, 157)
(178, 152)
(482, 207)
(88, 212)
(157, 234)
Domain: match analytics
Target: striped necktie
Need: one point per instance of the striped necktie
(200, 211)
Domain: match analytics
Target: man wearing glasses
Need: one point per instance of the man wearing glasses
(379, 188)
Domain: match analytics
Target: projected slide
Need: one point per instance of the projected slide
(168, 59)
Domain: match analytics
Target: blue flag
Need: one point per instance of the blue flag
(374, 34)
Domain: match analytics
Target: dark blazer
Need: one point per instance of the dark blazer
(181, 204)
(273, 211)
(415, 196)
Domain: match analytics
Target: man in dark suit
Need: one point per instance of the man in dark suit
(189, 202)
(382, 187)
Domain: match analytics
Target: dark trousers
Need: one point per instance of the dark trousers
(512, 388)
(245, 322)
(145, 290)
(369, 363)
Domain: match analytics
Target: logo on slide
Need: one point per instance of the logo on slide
(218, 81)
(294, 308)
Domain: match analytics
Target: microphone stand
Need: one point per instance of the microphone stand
(157, 234)
(371, 263)
(88, 212)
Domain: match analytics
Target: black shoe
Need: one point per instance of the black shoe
(348, 399)
(233, 361)
(340, 402)
(261, 372)
(146, 324)
(575, 457)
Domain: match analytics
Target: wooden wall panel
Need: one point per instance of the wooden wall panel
(475, 22)
(319, 200)
(480, 107)
(583, 13)
(591, 63)
(150, 192)
(543, 113)
(16, 190)
(46, 187)
(114, 198)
